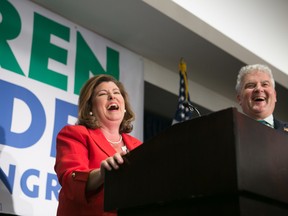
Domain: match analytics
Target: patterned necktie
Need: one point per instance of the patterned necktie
(265, 123)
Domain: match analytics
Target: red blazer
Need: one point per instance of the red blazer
(78, 151)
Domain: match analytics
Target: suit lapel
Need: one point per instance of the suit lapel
(101, 142)
(129, 141)
(278, 125)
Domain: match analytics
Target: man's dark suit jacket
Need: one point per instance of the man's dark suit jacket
(280, 125)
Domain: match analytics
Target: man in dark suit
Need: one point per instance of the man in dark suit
(256, 95)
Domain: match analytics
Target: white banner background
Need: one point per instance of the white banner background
(35, 160)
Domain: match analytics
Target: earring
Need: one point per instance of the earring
(124, 110)
(90, 113)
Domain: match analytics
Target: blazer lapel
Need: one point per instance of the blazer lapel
(130, 142)
(100, 140)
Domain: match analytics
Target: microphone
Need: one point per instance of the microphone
(191, 107)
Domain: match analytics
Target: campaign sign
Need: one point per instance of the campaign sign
(44, 61)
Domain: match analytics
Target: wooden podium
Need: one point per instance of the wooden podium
(223, 163)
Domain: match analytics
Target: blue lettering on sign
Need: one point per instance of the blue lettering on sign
(63, 110)
(29, 192)
(8, 180)
(8, 92)
(52, 188)
(52, 184)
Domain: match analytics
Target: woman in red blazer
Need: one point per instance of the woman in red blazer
(97, 142)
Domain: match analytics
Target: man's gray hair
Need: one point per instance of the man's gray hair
(250, 69)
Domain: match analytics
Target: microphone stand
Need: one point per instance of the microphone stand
(191, 107)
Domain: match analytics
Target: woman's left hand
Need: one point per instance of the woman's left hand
(111, 163)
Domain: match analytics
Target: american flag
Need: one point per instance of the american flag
(183, 113)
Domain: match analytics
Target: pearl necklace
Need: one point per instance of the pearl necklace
(117, 142)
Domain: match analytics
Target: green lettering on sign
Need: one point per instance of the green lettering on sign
(87, 63)
(10, 28)
(43, 50)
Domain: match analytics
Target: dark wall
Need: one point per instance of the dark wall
(159, 109)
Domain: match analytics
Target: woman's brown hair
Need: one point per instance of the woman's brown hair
(85, 104)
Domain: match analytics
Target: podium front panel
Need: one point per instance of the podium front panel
(214, 157)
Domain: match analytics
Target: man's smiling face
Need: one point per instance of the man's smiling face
(257, 96)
